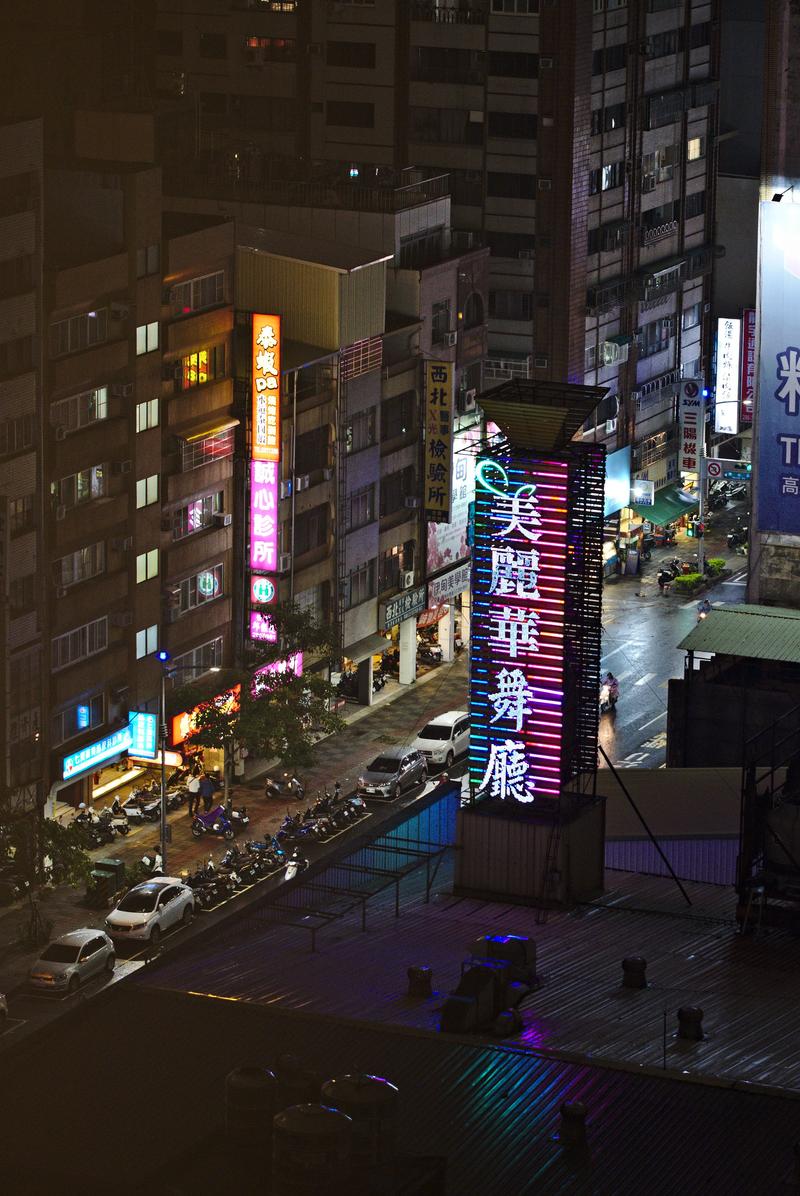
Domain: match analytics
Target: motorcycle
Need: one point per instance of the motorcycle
(118, 823)
(288, 788)
(97, 831)
(665, 578)
(703, 610)
(737, 538)
(215, 822)
(153, 863)
(648, 544)
(144, 804)
(295, 865)
(378, 682)
(268, 852)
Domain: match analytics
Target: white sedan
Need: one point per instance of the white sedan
(73, 958)
(150, 908)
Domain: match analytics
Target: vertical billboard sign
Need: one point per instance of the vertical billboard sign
(777, 423)
(264, 473)
(748, 384)
(726, 401)
(692, 428)
(438, 440)
(517, 657)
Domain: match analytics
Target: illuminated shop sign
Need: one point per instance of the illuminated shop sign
(184, 725)
(691, 416)
(438, 440)
(748, 381)
(266, 388)
(517, 665)
(726, 402)
(138, 737)
(293, 665)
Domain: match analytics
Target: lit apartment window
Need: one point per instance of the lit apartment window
(196, 515)
(197, 294)
(360, 432)
(146, 491)
(655, 337)
(78, 332)
(77, 645)
(78, 717)
(147, 415)
(147, 565)
(695, 149)
(78, 411)
(146, 338)
(203, 587)
(146, 641)
(200, 659)
(203, 366)
(606, 177)
(80, 565)
(81, 487)
(273, 49)
(659, 166)
(195, 453)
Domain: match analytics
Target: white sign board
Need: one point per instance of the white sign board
(643, 493)
(692, 415)
(726, 409)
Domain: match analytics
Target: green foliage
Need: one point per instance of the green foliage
(45, 852)
(688, 581)
(715, 565)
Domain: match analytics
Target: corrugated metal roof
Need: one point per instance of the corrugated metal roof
(671, 502)
(755, 632)
(540, 415)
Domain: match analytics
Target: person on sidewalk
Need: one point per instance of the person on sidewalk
(193, 785)
(208, 788)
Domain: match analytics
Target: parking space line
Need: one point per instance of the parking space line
(644, 726)
(643, 680)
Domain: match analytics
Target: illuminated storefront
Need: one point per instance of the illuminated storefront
(184, 725)
(264, 474)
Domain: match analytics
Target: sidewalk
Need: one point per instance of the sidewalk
(395, 715)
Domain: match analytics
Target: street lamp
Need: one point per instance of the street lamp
(162, 656)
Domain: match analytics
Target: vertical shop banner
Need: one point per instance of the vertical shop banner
(519, 566)
(264, 474)
(777, 422)
(438, 440)
(726, 399)
(266, 375)
(691, 415)
(748, 383)
(448, 542)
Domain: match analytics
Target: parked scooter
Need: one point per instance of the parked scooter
(152, 862)
(296, 864)
(286, 788)
(215, 822)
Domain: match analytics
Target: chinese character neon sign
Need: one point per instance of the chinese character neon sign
(517, 665)
(266, 388)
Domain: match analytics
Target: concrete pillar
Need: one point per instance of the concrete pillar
(365, 681)
(466, 616)
(408, 651)
(447, 634)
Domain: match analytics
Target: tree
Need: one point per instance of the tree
(273, 712)
(44, 851)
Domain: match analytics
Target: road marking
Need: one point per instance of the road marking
(608, 655)
(739, 580)
(658, 741)
(643, 680)
(644, 726)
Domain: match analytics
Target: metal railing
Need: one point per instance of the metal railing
(446, 15)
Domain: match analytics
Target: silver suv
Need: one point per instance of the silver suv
(393, 771)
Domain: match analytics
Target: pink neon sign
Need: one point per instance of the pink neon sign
(264, 516)
(517, 666)
(293, 665)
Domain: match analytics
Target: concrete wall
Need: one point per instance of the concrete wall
(737, 230)
(709, 726)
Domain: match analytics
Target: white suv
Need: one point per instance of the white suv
(150, 908)
(446, 737)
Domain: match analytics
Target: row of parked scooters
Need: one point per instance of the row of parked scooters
(328, 815)
(239, 868)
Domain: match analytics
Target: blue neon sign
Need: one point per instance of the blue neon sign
(139, 737)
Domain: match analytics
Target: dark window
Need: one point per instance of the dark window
(655, 337)
(16, 276)
(699, 35)
(513, 64)
(695, 204)
(311, 451)
(440, 321)
(16, 434)
(421, 249)
(18, 193)
(466, 187)
(362, 584)
(612, 58)
(512, 124)
(269, 114)
(437, 64)
(362, 507)
(518, 245)
(607, 177)
(20, 515)
(473, 311)
(511, 186)
(449, 125)
(664, 214)
(16, 356)
(606, 119)
(606, 238)
(511, 305)
(311, 530)
(359, 433)
(213, 45)
(351, 54)
(350, 114)
(393, 563)
(396, 488)
(22, 592)
(398, 415)
(214, 103)
(659, 45)
(169, 41)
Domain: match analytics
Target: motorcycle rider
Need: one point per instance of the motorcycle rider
(613, 687)
(703, 609)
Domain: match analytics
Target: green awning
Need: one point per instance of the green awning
(670, 503)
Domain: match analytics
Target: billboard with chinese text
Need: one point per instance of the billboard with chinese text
(266, 378)
(777, 422)
(447, 542)
(519, 563)
(264, 474)
(438, 478)
(748, 383)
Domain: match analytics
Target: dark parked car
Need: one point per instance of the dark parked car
(393, 771)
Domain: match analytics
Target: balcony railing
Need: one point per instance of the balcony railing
(649, 236)
(448, 15)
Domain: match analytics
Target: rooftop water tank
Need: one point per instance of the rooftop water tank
(311, 1151)
(372, 1103)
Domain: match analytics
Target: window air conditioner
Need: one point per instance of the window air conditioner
(119, 311)
(286, 489)
(121, 467)
(611, 426)
(284, 562)
(166, 523)
(411, 502)
(60, 432)
(470, 399)
(327, 475)
(450, 339)
(122, 390)
(302, 482)
(122, 543)
(223, 519)
(541, 362)
(408, 579)
(61, 512)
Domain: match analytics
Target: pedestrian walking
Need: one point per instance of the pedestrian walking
(193, 785)
(207, 789)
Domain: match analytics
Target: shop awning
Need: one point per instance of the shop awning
(431, 616)
(670, 503)
(369, 646)
(207, 428)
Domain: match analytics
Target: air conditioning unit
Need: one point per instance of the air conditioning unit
(541, 362)
(544, 185)
(173, 614)
(122, 618)
(223, 519)
(327, 475)
(286, 489)
(470, 399)
(635, 396)
(61, 591)
(60, 432)
(120, 692)
(407, 578)
(450, 339)
(284, 562)
(119, 311)
(122, 543)
(526, 255)
(302, 482)
(611, 426)
(122, 390)
(546, 63)
(315, 47)
(172, 597)
(61, 512)
(121, 467)
(412, 502)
